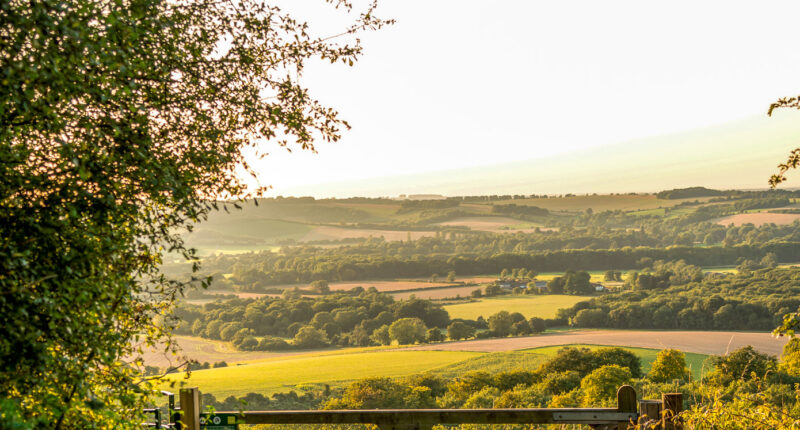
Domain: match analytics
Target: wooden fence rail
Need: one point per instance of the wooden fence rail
(627, 413)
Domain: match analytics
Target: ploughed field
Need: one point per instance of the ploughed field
(758, 218)
(438, 293)
(701, 342)
(494, 224)
(205, 350)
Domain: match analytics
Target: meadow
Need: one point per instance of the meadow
(605, 202)
(337, 368)
(544, 306)
(281, 374)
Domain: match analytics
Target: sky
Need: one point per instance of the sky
(456, 84)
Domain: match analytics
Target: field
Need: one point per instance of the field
(384, 286)
(494, 224)
(700, 342)
(530, 306)
(206, 350)
(439, 293)
(758, 218)
(602, 202)
(336, 368)
(336, 233)
(596, 275)
(388, 286)
(285, 373)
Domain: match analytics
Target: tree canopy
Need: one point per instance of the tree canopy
(120, 123)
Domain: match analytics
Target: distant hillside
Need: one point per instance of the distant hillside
(738, 155)
(688, 193)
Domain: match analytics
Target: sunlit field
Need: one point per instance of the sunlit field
(285, 373)
(531, 306)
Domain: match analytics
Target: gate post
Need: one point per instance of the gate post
(626, 402)
(190, 408)
(673, 405)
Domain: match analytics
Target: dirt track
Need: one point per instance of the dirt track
(703, 342)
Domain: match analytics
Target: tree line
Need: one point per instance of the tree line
(668, 299)
(256, 272)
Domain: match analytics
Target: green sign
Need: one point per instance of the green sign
(219, 421)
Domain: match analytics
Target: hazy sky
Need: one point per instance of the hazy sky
(466, 83)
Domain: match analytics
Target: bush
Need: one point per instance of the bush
(435, 335)
(458, 330)
(601, 385)
(407, 331)
(270, 343)
(670, 364)
(309, 337)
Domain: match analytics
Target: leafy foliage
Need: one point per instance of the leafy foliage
(119, 121)
(670, 364)
(744, 301)
(343, 318)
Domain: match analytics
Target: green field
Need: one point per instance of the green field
(530, 306)
(694, 361)
(282, 374)
(596, 275)
(243, 234)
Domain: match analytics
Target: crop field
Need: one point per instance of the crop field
(243, 234)
(700, 342)
(439, 293)
(596, 275)
(531, 306)
(476, 279)
(494, 224)
(335, 233)
(695, 362)
(379, 210)
(206, 350)
(758, 218)
(388, 286)
(285, 373)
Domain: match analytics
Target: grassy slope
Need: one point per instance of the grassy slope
(530, 306)
(601, 202)
(282, 374)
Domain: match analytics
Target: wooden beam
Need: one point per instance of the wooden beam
(400, 418)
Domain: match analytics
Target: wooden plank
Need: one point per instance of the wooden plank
(400, 418)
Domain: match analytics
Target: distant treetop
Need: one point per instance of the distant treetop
(687, 193)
